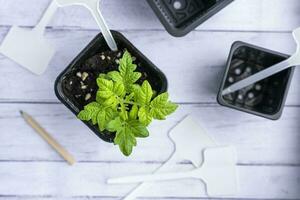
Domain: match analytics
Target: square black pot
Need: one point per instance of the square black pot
(265, 98)
(179, 17)
(98, 45)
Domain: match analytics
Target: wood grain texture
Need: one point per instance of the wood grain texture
(268, 151)
(254, 15)
(258, 141)
(39, 178)
(193, 70)
(51, 197)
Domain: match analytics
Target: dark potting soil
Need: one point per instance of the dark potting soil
(80, 84)
(80, 87)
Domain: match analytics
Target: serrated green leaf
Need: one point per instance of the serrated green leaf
(114, 125)
(90, 112)
(104, 76)
(110, 91)
(98, 114)
(99, 99)
(144, 93)
(133, 114)
(124, 107)
(160, 107)
(138, 129)
(84, 115)
(144, 115)
(126, 133)
(126, 63)
(104, 116)
(126, 140)
(119, 89)
(115, 76)
(105, 88)
(125, 137)
(127, 73)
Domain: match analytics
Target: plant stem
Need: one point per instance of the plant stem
(131, 103)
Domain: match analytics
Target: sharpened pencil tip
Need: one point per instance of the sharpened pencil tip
(21, 112)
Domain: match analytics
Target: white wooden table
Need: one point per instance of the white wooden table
(268, 151)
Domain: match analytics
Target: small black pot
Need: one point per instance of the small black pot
(265, 98)
(180, 17)
(98, 45)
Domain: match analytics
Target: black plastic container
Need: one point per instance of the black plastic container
(98, 45)
(265, 98)
(179, 17)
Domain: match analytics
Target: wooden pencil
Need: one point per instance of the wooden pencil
(46, 136)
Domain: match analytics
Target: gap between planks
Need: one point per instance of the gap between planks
(183, 163)
(53, 197)
(75, 28)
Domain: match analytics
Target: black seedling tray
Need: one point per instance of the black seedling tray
(265, 98)
(180, 17)
(98, 45)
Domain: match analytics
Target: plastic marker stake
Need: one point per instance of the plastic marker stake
(190, 140)
(46, 136)
(29, 48)
(218, 172)
(93, 7)
(294, 60)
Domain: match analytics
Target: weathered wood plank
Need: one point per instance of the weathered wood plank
(83, 179)
(48, 197)
(193, 71)
(258, 141)
(257, 15)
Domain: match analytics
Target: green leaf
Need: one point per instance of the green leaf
(126, 63)
(90, 112)
(115, 76)
(105, 88)
(123, 113)
(98, 114)
(125, 137)
(119, 89)
(138, 129)
(144, 93)
(105, 76)
(145, 116)
(126, 133)
(110, 91)
(99, 99)
(104, 116)
(160, 107)
(126, 140)
(114, 125)
(126, 72)
(125, 107)
(133, 114)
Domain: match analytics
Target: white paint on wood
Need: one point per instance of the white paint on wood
(59, 179)
(193, 65)
(268, 151)
(246, 15)
(258, 140)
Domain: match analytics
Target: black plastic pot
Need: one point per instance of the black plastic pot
(98, 45)
(179, 17)
(265, 98)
